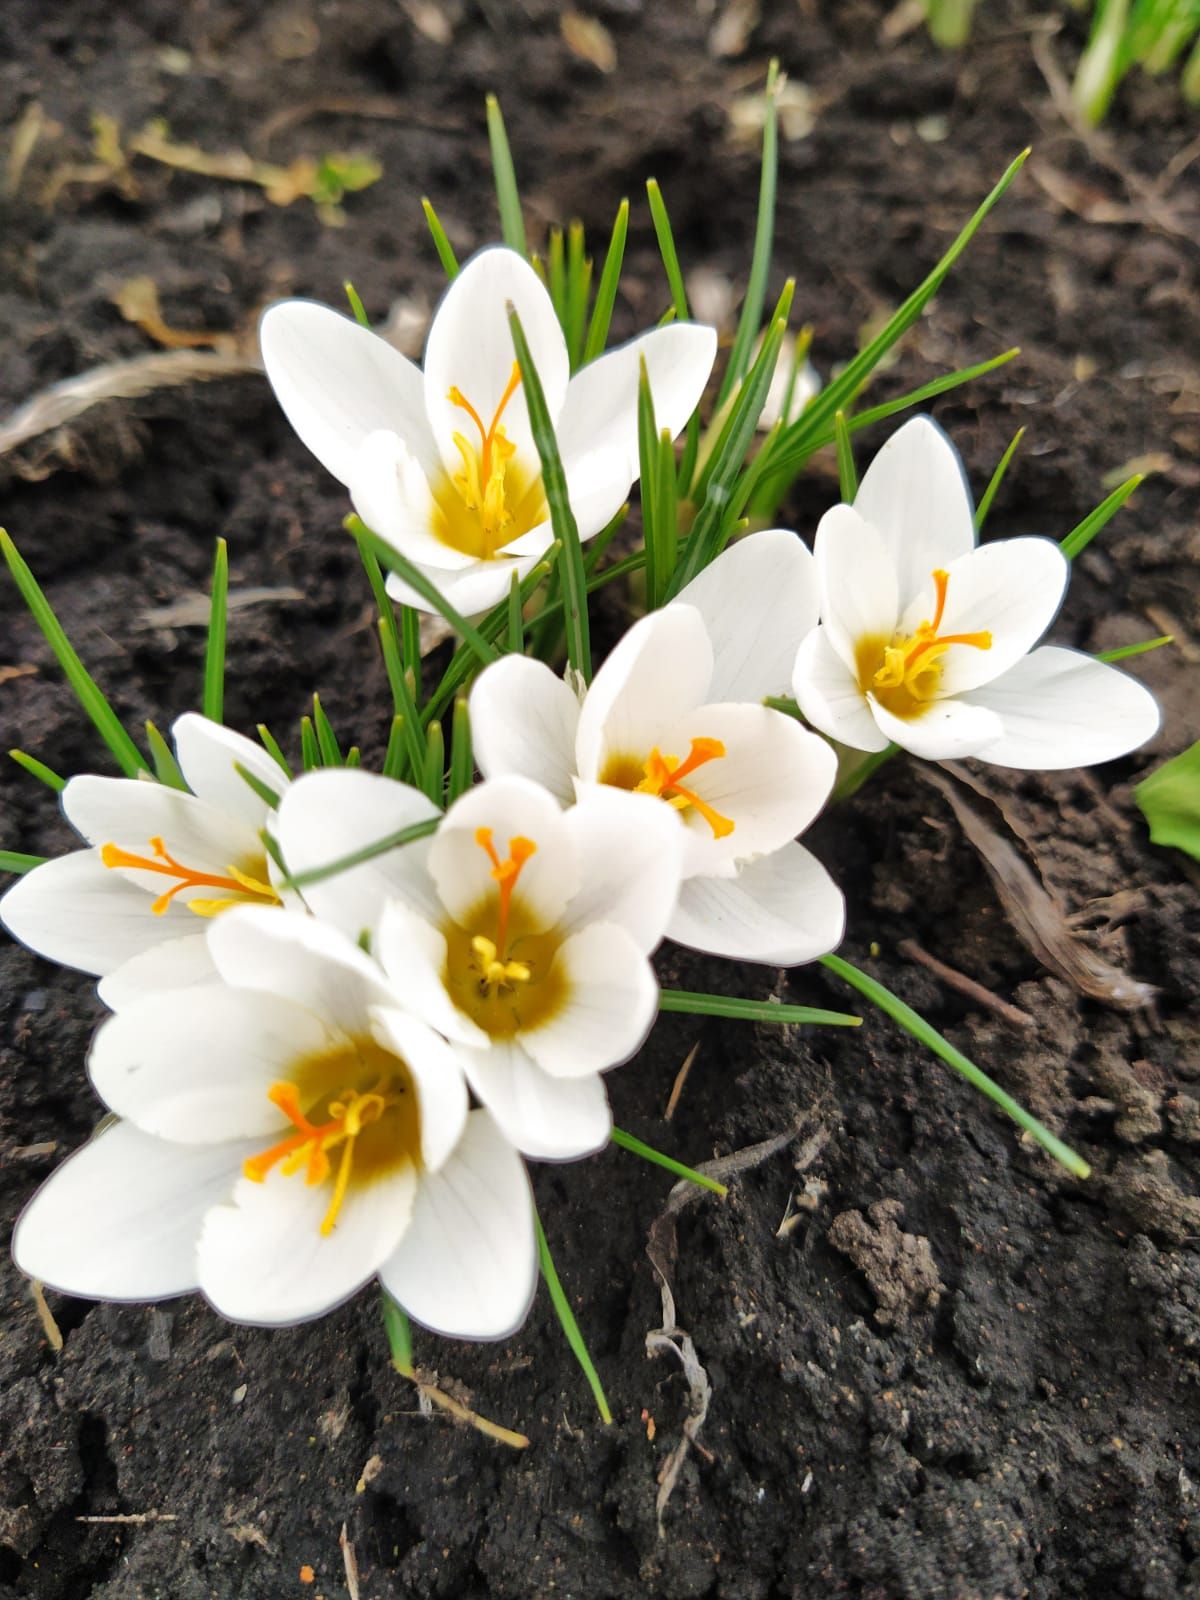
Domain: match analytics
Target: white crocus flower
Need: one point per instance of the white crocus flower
(131, 907)
(287, 1134)
(927, 641)
(675, 712)
(441, 462)
(522, 934)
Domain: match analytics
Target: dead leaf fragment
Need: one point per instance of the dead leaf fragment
(589, 39)
(731, 32)
(137, 301)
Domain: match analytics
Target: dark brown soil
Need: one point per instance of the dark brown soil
(957, 1374)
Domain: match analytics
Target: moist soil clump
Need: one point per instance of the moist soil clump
(933, 1365)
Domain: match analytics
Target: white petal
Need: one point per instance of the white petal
(470, 347)
(523, 721)
(859, 596)
(392, 495)
(413, 954)
(945, 731)
(781, 910)
(438, 1078)
(511, 808)
(610, 1005)
(758, 599)
(327, 815)
(915, 493)
(658, 672)
(195, 1067)
(601, 409)
(73, 910)
(551, 1119)
(338, 382)
(598, 485)
(264, 1259)
(630, 851)
(302, 960)
(476, 588)
(467, 1267)
(1059, 708)
(828, 693)
(209, 756)
(174, 964)
(1011, 589)
(120, 1219)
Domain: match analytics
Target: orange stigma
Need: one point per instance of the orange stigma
(664, 778)
(908, 662)
(238, 885)
(488, 437)
(506, 874)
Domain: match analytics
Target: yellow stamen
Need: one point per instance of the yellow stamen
(663, 778)
(912, 664)
(481, 481)
(239, 883)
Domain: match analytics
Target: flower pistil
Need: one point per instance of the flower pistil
(242, 886)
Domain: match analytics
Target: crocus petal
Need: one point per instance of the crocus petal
(1010, 590)
(758, 599)
(338, 382)
(1059, 708)
(264, 1259)
(630, 851)
(173, 964)
(508, 808)
(119, 1220)
(857, 574)
(828, 693)
(601, 409)
(476, 588)
(392, 496)
(945, 731)
(470, 348)
(301, 959)
(658, 672)
(209, 756)
(611, 1002)
(73, 910)
(551, 1119)
(915, 493)
(325, 816)
(598, 485)
(195, 1067)
(413, 954)
(467, 1266)
(523, 721)
(782, 909)
(437, 1077)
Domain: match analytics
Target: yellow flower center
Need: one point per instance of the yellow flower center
(369, 1131)
(904, 673)
(490, 500)
(244, 887)
(663, 776)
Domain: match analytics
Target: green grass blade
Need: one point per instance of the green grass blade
(648, 461)
(434, 772)
(515, 637)
(440, 241)
(417, 580)
(606, 292)
(852, 781)
(410, 639)
(331, 754)
(739, 1010)
(354, 756)
(1080, 537)
(357, 309)
(105, 720)
(566, 1316)
(847, 475)
(166, 769)
(556, 276)
(265, 793)
(666, 511)
(367, 852)
(462, 764)
(392, 648)
(271, 745)
(764, 233)
(310, 750)
(15, 861)
(395, 758)
(930, 390)
(214, 652)
(399, 1334)
(666, 247)
(39, 770)
(579, 283)
(512, 225)
(993, 488)
(562, 518)
(1125, 651)
(928, 1035)
(627, 1141)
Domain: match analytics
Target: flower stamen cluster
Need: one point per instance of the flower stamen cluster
(245, 887)
(663, 775)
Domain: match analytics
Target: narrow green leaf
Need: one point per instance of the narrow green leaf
(310, 751)
(852, 780)
(666, 246)
(214, 653)
(462, 765)
(928, 1035)
(1080, 537)
(264, 791)
(515, 638)
(166, 769)
(566, 1316)
(410, 638)
(354, 756)
(463, 662)
(440, 242)
(606, 292)
(847, 476)
(512, 225)
(687, 459)
(740, 1010)
(556, 276)
(627, 1141)
(368, 852)
(403, 704)
(271, 745)
(993, 488)
(666, 512)
(783, 703)
(399, 1334)
(648, 462)
(764, 233)
(88, 693)
(331, 755)
(1169, 799)
(434, 783)
(356, 305)
(928, 391)
(417, 580)
(15, 861)
(562, 518)
(579, 282)
(39, 770)
(1123, 652)
(395, 762)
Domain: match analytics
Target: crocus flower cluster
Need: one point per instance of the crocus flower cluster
(328, 1063)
